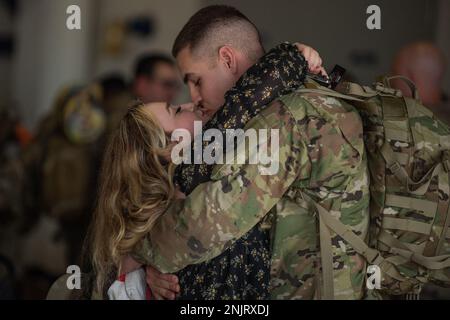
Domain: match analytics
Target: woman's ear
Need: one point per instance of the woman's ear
(227, 56)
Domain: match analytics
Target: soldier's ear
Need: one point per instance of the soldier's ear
(227, 57)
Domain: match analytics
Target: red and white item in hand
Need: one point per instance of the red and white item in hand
(130, 286)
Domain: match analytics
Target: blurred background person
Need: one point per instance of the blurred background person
(424, 63)
(156, 79)
(13, 137)
(7, 280)
(60, 166)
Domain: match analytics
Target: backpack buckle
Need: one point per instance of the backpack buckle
(446, 164)
(391, 91)
(395, 167)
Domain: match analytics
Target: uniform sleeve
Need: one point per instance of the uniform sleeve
(220, 211)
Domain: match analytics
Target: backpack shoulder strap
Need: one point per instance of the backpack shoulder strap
(346, 91)
(327, 222)
(387, 83)
(356, 90)
(329, 93)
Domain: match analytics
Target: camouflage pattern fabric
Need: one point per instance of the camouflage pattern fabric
(442, 112)
(321, 154)
(409, 160)
(242, 271)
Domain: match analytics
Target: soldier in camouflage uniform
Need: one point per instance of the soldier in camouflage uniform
(321, 157)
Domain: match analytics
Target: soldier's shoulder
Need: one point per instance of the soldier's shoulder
(320, 105)
(311, 101)
(275, 115)
(306, 104)
(442, 112)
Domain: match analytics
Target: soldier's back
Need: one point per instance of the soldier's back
(334, 174)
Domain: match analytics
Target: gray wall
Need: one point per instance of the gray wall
(443, 37)
(48, 55)
(169, 16)
(337, 29)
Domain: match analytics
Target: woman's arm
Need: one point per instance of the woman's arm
(166, 285)
(312, 57)
(220, 211)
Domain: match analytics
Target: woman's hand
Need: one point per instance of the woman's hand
(163, 286)
(313, 58)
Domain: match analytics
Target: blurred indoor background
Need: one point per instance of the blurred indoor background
(44, 66)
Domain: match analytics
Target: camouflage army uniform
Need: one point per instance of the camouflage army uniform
(321, 155)
(442, 112)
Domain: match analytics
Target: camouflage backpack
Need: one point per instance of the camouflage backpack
(409, 162)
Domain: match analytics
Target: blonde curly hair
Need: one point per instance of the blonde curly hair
(136, 187)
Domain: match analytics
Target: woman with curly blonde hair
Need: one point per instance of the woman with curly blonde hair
(136, 182)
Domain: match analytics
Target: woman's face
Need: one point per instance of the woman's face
(172, 117)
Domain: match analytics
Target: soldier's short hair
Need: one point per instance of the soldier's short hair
(215, 26)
